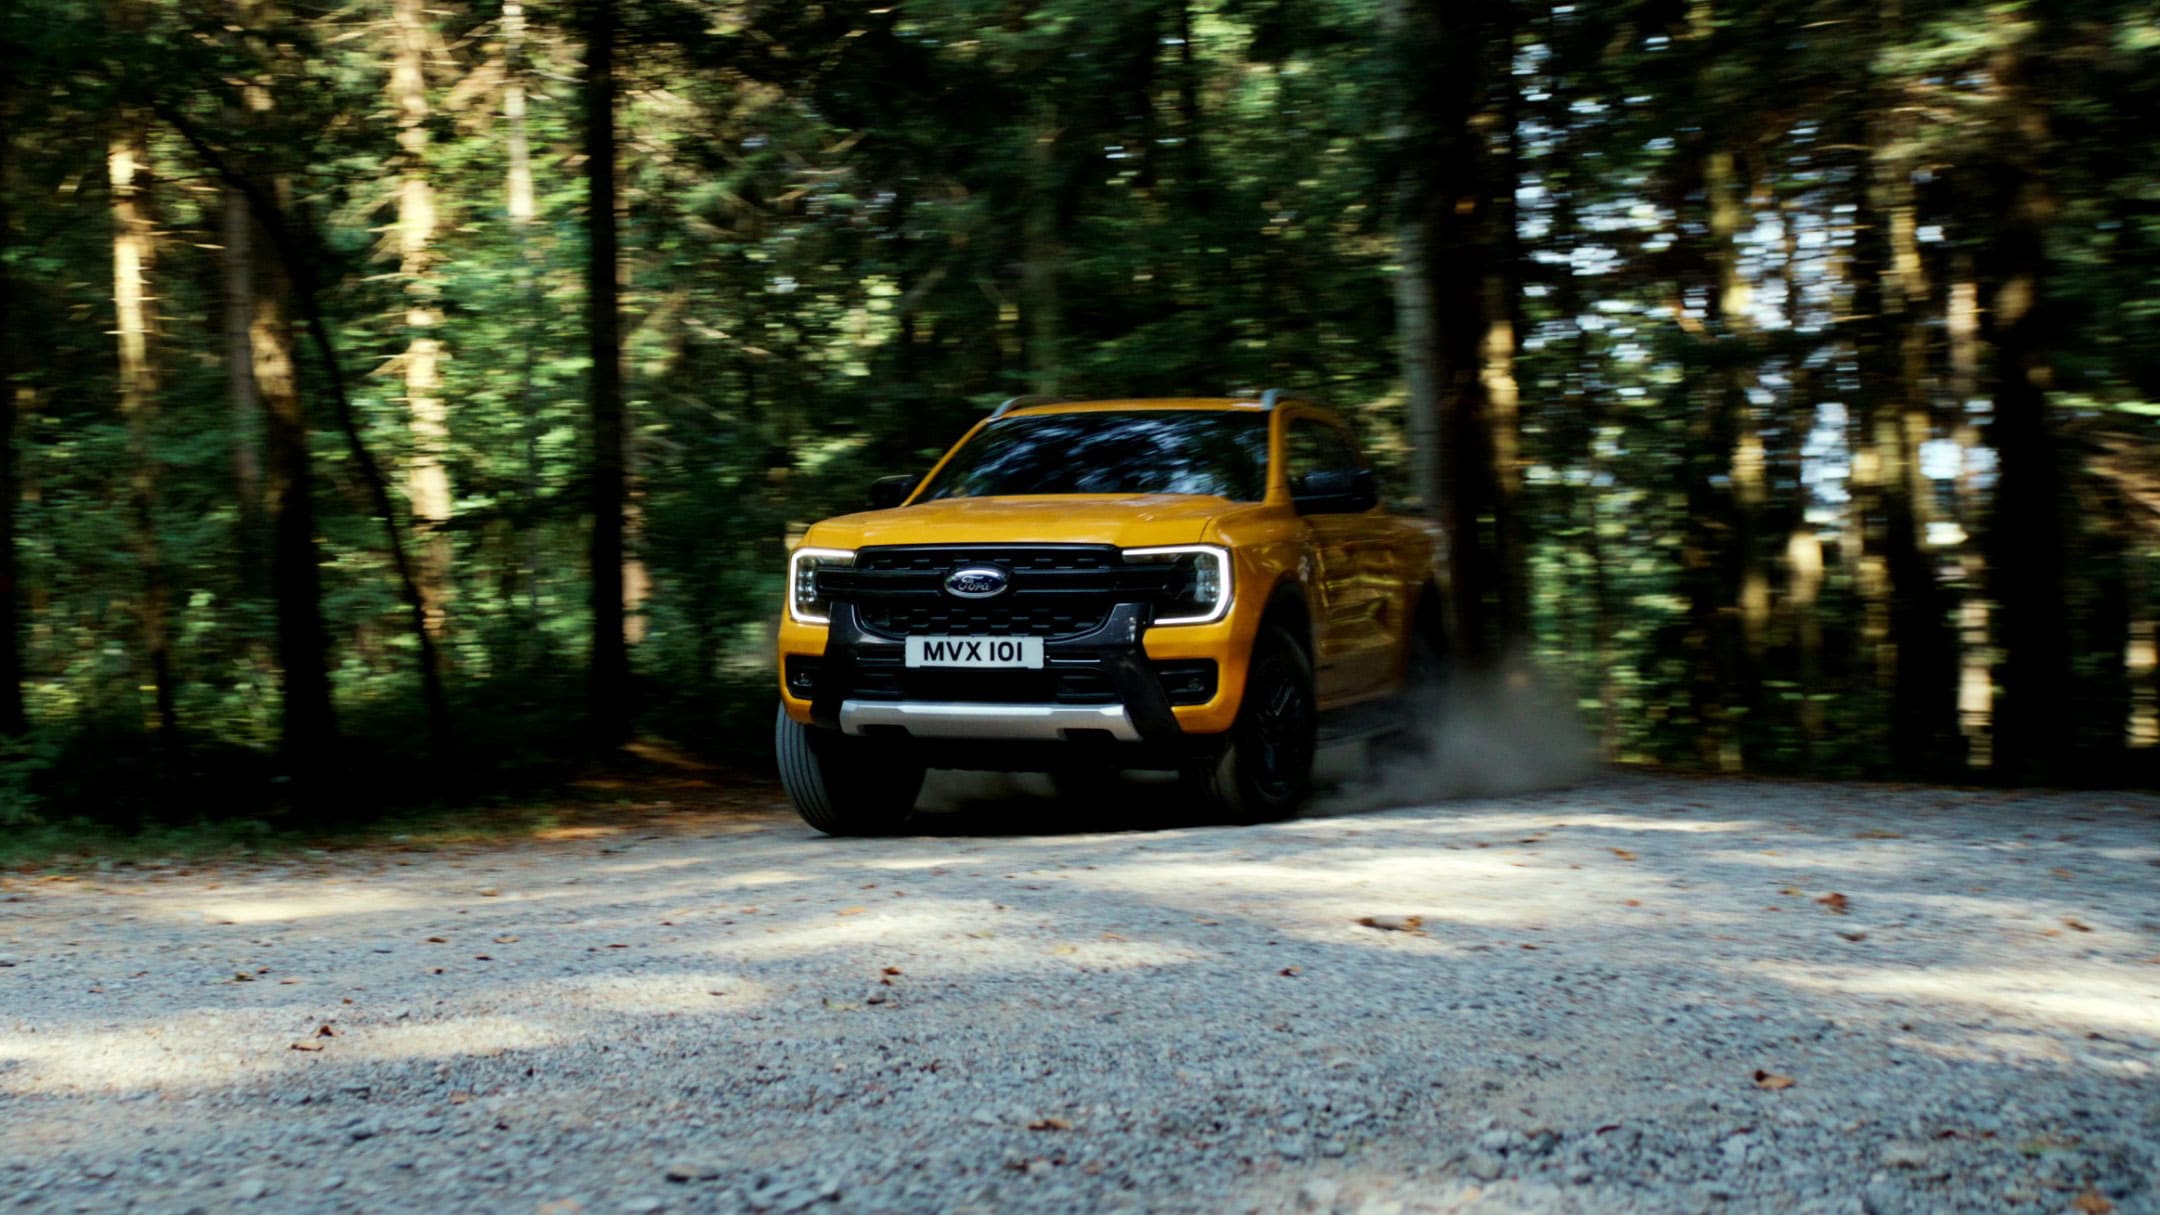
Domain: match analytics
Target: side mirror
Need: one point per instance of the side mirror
(892, 491)
(1335, 491)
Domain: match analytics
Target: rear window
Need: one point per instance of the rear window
(1216, 453)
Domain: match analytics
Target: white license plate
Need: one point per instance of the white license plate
(977, 653)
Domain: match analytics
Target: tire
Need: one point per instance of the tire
(1264, 771)
(842, 785)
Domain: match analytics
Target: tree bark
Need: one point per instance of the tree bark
(13, 721)
(1450, 62)
(308, 725)
(518, 191)
(608, 687)
(1044, 254)
(427, 478)
(134, 252)
(2026, 526)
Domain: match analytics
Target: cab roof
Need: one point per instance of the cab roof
(1036, 405)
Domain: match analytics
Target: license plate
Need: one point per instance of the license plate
(977, 653)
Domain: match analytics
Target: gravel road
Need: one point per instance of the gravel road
(1636, 995)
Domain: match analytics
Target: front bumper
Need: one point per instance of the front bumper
(1097, 686)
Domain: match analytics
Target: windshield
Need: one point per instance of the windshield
(1212, 452)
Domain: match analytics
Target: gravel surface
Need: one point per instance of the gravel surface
(1637, 995)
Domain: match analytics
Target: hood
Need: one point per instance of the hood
(1125, 520)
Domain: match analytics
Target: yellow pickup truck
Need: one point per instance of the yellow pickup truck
(1192, 585)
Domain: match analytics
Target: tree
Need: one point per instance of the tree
(608, 687)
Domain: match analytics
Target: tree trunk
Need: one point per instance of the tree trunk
(1043, 255)
(1976, 683)
(1916, 657)
(519, 204)
(308, 725)
(12, 719)
(1454, 221)
(427, 479)
(134, 250)
(244, 406)
(608, 689)
(2026, 525)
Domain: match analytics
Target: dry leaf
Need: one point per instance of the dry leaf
(1854, 936)
(1834, 902)
(1873, 834)
(241, 976)
(892, 970)
(307, 1046)
(1393, 923)
(1049, 1124)
(852, 910)
(1623, 854)
(324, 1031)
(2091, 1203)
(506, 939)
(1063, 950)
(438, 940)
(1771, 1081)
(2080, 926)
(1291, 972)
(2059, 872)
(1634, 902)
(460, 1098)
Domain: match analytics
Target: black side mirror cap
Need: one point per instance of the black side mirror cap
(1344, 491)
(888, 492)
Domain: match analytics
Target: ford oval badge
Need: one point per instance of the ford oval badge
(977, 582)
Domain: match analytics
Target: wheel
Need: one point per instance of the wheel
(1264, 772)
(842, 785)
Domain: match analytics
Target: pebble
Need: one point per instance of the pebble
(1112, 1027)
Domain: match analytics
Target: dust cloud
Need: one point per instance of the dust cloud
(1476, 735)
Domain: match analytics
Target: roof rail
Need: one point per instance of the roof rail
(1277, 396)
(1024, 402)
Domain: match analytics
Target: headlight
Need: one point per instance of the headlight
(1201, 595)
(805, 602)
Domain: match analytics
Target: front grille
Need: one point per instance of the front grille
(1057, 591)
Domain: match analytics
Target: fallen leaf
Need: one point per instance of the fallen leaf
(2080, 926)
(852, 910)
(1291, 972)
(1393, 923)
(2091, 1203)
(1874, 834)
(1529, 947)
(1790, 891)
(459, 1098)
(241, 976)
(1634, 902)
(1063, 950)
(1623, 854)
(2060, 872)
(438, 940)
(892, 970)
(1049, 1124)
(481, 957)
(1771, 1081)
(506, 939)
(324, 1031)
(1834, 902)
(1854, 936)
(489, 893)
(307, 1046)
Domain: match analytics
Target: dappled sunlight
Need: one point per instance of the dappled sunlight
(2081, 997)
(1495, 888)
(712, 993)
(291, 906)
(467, 1036)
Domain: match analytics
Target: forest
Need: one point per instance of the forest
(407, 401)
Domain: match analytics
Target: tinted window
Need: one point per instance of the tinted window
(1142, 452)
(1317, 447)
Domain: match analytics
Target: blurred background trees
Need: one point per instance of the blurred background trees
(405, 400)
